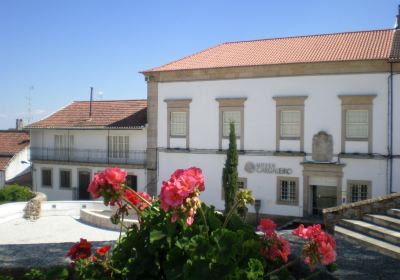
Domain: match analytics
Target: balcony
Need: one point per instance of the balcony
(89, 156)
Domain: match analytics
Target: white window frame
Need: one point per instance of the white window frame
(118, 146)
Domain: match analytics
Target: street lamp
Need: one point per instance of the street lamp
(257, 206)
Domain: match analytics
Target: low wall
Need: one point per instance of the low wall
(96, 218)
(14, 210)
(357, 210)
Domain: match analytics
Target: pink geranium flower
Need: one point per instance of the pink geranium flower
(80, 250)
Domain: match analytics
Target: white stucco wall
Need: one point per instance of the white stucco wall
(57, 193)
(322, 108)
(322, 112)
(19, 164)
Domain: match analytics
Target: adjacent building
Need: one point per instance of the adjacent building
(71, 145)
(14, 157)
(317, 118)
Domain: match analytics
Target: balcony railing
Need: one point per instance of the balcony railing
(89, 155)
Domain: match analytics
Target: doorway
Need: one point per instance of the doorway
(83, 181)
(323, 197)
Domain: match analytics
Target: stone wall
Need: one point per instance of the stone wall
(357, 210)
(34, 206)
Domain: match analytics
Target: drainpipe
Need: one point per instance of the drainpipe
(390, 130)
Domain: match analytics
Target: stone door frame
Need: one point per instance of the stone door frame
(320, 170)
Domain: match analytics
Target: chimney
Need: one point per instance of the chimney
(398, 18)
(90, 103)
(19, 124)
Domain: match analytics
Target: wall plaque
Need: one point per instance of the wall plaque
(265, 167)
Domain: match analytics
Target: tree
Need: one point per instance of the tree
(229, 173)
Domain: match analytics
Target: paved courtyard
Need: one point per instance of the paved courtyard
(46, 241)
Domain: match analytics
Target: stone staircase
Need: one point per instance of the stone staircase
(377, 232)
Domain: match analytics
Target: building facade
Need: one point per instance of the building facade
(74, 143)
(316, 119)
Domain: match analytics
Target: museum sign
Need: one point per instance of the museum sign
(265, 167)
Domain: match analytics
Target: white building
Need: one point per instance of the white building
(14, 155)
(71, 145)
(317, 118)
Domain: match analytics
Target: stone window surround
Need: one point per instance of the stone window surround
(70, 178)
(51, 176)
(320, 170)
(363, 182)
(231, 104)
(357, 102)
(178, 105)
(292, 103)
(279, 201)
(240, 179)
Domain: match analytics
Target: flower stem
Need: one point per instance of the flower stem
(230, 213)
(283, 266)
(142, 198)
(203, 216)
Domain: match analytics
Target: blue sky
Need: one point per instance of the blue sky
(64, 47)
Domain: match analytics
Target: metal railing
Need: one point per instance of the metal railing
(89, 155)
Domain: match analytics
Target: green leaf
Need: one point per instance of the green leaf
(156, 235)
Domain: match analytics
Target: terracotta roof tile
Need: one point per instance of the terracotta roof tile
(113, 113)
(12, 141)
(363, 45)
(4, 162)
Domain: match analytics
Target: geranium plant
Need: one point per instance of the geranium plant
(179, 237)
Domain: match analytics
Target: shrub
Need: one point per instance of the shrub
(14, 193)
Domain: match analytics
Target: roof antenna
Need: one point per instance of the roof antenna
(90, 104)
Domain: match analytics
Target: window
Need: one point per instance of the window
(131, 181)
(290, 119)
(290, 124)
(63, 145)
(358, 190)
(357, 119)
(118, 146)
(357, 124)
(242, 184)
(46, 178)
(231, 110)
(287, 190)
(65, 178)
(178, 122)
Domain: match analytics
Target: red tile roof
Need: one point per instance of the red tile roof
(4, 162)
(12, 141)
(349, 46)
(105, 114)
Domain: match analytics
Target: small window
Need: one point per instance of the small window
(359, 190)
(287, 190)
(290, 124)
(131, 181)
(65, 178)
(46, 178)
(227, 118)
(357, 124)
(178, 124)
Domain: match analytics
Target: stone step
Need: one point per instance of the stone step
(395, 213)
(373, 230)
(383, 220)
(371, 243)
